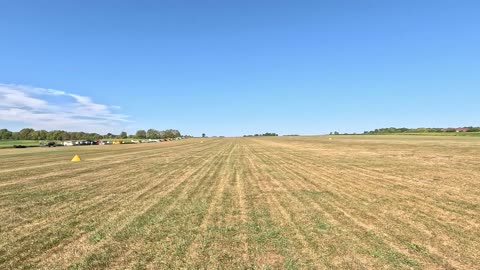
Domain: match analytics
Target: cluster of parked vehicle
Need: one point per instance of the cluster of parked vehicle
(88, 142)
(49, 144)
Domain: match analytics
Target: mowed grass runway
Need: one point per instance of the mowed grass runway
(359, 202)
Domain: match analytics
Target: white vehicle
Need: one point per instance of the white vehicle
(68, 143)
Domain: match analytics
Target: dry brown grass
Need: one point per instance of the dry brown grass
(364, 202)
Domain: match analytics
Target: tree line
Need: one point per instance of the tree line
(157, 134)
(62, 135)
(264, 134)
(419, 130)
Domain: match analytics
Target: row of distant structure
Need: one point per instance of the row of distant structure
(464, 129)
(393, 130)
(89, 142)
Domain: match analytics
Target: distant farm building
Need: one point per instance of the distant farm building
(455, 129)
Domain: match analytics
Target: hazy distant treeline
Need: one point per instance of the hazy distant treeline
(421, 130)
(264, 134)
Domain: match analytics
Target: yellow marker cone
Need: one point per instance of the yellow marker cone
(76, 158)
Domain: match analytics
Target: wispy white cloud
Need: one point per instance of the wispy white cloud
(33, 107)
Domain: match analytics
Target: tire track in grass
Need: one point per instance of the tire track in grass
(41, 235)
(395, 239)
(296, 163)
(113, 217)
(360, 188)
(223, 243)
(295, 185)
(287, 191)
(188, 215)
(284, 217)
(104, 175)
(268, 248)
(322, 227)
(296, 171)
(240, 190)
(92, 206)
(17, 227)
(89, 169)
(124, 229)
(391, 242)
(364, 228)
(401, 249)
(100, 153)
(112, 159)
(423, 202)
(47, 218)
(193, 251)
(443, 186)
(274, 165)
(122, 247)
(289, 187)
(379, 179)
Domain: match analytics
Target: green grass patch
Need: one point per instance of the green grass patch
(321, 225)
(96, 237)
(384, 252)
(415, 248)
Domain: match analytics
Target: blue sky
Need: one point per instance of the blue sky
(239, 67)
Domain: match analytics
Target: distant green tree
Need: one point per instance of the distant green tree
(170, 133)
(42, 134)
(204, 135)
(15, 136)
(153, 134)
(5, 134)
(141, 134)
(34, 135)
(31, 134)
(26, 134)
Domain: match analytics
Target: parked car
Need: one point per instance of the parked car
(68, 143)
(49, 144)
